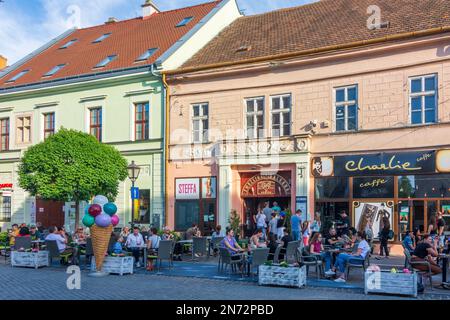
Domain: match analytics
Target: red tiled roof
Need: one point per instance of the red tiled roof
(317, 25)
(129, 40)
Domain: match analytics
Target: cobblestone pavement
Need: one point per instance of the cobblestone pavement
(50, 284)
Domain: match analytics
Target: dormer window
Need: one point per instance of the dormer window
(184, 22)
(54, 70)
(106, 61)
(18, 76)
(68, 44)
(147, 54)
(103, 37)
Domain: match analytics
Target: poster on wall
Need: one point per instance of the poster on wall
(302, 204)
(404, 215)
(369, 216)
(209, 188)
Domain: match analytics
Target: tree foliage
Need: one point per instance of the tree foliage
(72, 166)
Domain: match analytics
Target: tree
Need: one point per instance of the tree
(72, 166)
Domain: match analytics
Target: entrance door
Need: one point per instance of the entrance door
(208, 221)
(50, 213)
(418, 213)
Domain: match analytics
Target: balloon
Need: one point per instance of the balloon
(88, 220)
(110, 208)
(94, 210)
(86, 209)
(115, 220)
(101, 200)
(103, 220)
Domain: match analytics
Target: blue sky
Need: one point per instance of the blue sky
(25, 25)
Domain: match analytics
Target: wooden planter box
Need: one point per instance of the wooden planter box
(282, 276)
(117, 265)
(404, 284)
(29, 259)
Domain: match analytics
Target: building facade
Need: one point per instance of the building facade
(106, 81)
(355, 121)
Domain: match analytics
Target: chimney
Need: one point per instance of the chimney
(149, 8)
(111, 20)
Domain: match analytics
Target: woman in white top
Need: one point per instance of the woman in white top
(316, 224)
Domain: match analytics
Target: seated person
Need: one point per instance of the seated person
(117, 249)
(273, 245)
(61, 241)
(193, 232)
(316, 247)
(166, 234)
(230, 243)
(24, 232)
(343, 258)
(153, 246)
(255, 240)
(13, 234)
(286, 239)
(35, 234)
(408, 242)
(332, 239)
(134, 243)
(426, 250)
(79, 235)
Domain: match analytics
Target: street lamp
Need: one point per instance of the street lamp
(133, 174)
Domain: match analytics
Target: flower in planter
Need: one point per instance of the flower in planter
(393, 270)
(406, 270)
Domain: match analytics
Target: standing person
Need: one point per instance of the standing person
(261, 223)
(306, 232)
(273, 229)
(432, 227)
(384, 237)
(343, 223)
(316, 225)
(267, 211)
(134, 244)
(296, 222)
(13, 234)
(441, 228)
(276, 207)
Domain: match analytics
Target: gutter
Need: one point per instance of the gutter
(166, 146)
(349, 45)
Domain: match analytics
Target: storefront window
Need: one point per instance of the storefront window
(142, 207)
(186, 213)
(373, 187)
(331, 188)
(426, 186)
(5, 209)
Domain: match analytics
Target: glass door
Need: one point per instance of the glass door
(208, 222)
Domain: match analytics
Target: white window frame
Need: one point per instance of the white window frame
(424, 94)
(346, 103)
(282, 111)
(255, 115)
(199, 118)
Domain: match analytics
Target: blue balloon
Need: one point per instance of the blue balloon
(110, 208)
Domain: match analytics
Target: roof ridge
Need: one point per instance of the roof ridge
(194, 6)
(284, 9)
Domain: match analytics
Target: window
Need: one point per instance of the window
(200, 122)
(141, 123)
(5, 208)
(68, 44)
(423, 99)
(281, 115)
(143, 214)
(186, 214)
(184, 22)
(4, 134)
(103, 37)
(106, 61)
(255, 117)
(346, 108)
(18, 76)
(147, 54)
(331, 188)
(95, 125)
(424, 186)
(23, 126)
(54, 70)
(49, 124)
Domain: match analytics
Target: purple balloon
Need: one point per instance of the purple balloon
(103, 220)
(115, 220)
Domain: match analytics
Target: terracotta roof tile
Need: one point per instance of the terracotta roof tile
(129, 40)
(318, 25)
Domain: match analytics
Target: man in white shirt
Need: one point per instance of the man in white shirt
(135, 242)
(61, 241)
(343, 258)
(261, 223)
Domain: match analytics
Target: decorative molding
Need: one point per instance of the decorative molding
(139, 92)
(46, 104)
(6, 109)
(93, 98)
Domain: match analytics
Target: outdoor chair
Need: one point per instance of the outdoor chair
(5, 249)
(310, 260)
(215, 243)
(53, 252)
(22, 242)
(358, 263)
(422, 274)
(259, 257)
(165, 252)
(276, 254)
(291, 251)
(225, 260)
(88, 252)
(199, 246)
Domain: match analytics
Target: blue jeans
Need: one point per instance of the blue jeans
(342, 260)
(263, 230)
(327, 257)
(296, 235)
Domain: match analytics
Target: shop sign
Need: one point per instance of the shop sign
(374, 187)
(6, 185)
(187, 189)
(375, 164)
(266, 185)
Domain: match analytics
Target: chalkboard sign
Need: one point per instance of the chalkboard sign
(373, 187)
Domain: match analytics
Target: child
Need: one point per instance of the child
(305, 232)
(117, 249)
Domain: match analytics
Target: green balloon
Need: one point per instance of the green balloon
(88, 220)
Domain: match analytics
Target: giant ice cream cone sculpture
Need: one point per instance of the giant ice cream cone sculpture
(101, 218)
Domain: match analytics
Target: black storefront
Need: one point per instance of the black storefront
(407, 187)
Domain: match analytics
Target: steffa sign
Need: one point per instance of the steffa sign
(187, 189)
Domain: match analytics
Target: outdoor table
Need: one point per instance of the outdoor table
(444, 258)
(37, 243)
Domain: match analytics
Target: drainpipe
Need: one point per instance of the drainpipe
(165, 137)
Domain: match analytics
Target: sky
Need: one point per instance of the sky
(25, 25)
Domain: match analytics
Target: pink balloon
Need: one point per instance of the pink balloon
(115, 220)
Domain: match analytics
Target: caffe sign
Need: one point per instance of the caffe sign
(383, 164)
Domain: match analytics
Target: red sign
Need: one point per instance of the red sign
(271, 185)
(6, 185)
